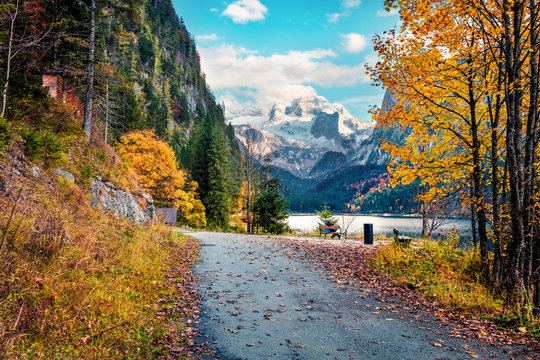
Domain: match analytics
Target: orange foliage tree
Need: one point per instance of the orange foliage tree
(157, 171)
(437, 69)
(466, 76)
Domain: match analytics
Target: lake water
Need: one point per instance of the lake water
(411, 226)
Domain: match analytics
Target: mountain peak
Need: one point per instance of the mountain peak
(301, 131)
(308, 105)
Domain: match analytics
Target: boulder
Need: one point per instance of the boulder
(68, 176)
(35, 172)
(122, 203)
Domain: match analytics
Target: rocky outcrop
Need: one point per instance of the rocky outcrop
(107, 197)
(326, 125)
(329, 162)
(35, 172)
(66, 175)
(369, 152)
(297, 135)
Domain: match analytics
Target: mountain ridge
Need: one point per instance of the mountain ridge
(318, 161)
(298, 135)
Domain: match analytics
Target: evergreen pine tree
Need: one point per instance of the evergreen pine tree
(185, 116)
(209, 164)
(270, 207)
(176, 145)
(217, 201)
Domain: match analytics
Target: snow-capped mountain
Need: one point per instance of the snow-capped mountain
(313, 120)
(298, 135)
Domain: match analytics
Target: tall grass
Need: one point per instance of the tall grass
(74, 282)
(441, 271)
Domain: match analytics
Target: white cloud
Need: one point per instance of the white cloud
(243, 50)
(354, 42)
(384, 13)
(333, 18)
(363, 99)
(214, 10)
(347, 5)
(257, 79)
(244, 11)
(351, 4)
(207, 37)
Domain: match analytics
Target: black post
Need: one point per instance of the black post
(368, 234)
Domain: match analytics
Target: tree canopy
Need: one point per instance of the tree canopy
(465, 76)
(157, 172)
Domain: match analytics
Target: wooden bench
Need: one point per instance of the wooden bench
(400, 239)
(322, 231)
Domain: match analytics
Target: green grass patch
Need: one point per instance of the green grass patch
(76, 283)
(442, 272)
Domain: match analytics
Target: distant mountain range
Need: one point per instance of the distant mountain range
(322, 154)
(310, 137)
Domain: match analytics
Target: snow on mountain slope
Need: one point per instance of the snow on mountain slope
(300, 133)
(294, 156)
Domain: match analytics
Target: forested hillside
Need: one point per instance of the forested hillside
(105, 115)
(355, 189)
(124, 66)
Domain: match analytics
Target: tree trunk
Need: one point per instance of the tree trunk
(514, 139)
(531, 148)
(498, 262)
(107, 101)
(9, 58)
(477, 182)
(87, 123)
(425, 220)
(107, 105)
(248, 200)
(473, 219)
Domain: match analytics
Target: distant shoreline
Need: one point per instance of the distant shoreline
(380, 215)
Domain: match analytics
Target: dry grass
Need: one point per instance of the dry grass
(442, 272)
(75, 283)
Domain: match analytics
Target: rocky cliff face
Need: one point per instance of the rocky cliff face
(299, 134)
(108, 197)
(369, 152)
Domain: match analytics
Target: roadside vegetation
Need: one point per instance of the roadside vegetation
(76, 282)
(451, 277)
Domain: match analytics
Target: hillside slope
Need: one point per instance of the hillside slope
(76, 280)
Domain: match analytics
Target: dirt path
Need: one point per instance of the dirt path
(260, 302)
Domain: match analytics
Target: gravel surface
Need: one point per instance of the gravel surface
(260, 302)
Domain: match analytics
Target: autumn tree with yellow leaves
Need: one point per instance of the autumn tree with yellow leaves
(158, 173)
(465, 76)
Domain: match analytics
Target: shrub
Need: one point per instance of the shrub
(441, 271)
(87, 172)
(5, 133)
(41, 144)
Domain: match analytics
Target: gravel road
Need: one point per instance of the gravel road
(261, 303)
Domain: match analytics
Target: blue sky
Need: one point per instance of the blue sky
(255, 52)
